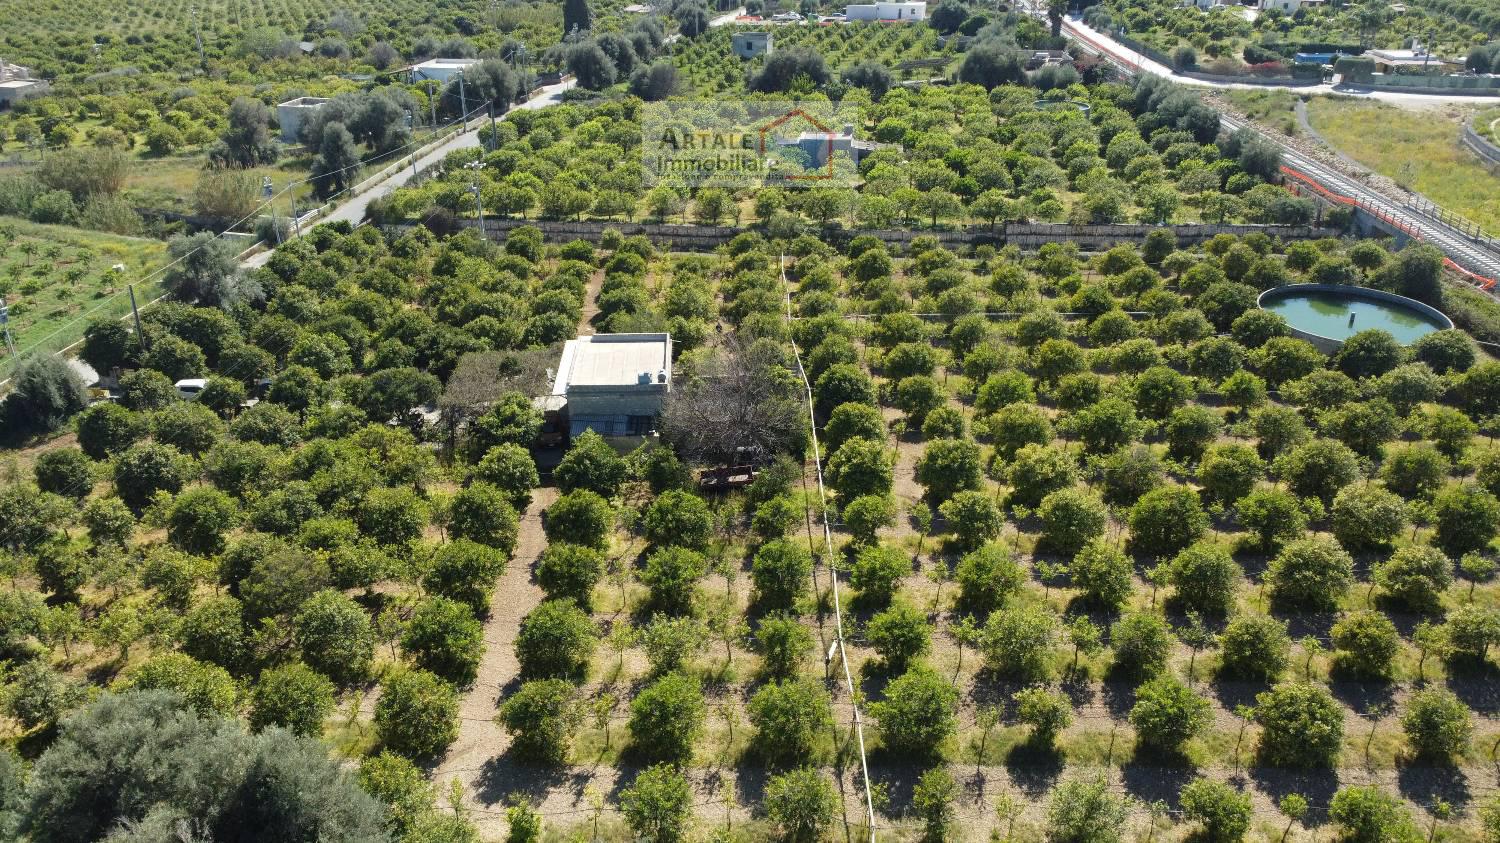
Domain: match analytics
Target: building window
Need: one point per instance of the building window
(639, 425)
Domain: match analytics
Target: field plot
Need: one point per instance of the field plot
(55, 277)
(1419, 150)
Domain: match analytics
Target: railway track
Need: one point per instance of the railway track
(1471, 255)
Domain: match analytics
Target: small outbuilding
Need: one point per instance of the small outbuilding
(910, 11)
(748, 45)
(291, 114)
(613, 384)
(441, 70)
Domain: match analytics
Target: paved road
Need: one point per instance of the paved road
(1478, 256)
(353, 211)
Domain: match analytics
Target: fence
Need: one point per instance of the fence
(1481, 146)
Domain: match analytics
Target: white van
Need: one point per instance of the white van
(188, 388)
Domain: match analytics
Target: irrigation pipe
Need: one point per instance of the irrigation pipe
(838, 612)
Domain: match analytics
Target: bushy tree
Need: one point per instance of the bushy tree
(666, 718)
(540, 718)
(1046, 712)
(1301, 726)
(679, 518)
(1166, 520)
(335, 637)
(556, 641)
(1467, 518)
(790, 718)
(672, 574)
(1367, 516)
(1365, 643)
(1254, 647)
(46, 392)
(417, 714)
(949, 466)
(973, 518)
(1437, 724)
(1415, 576)
(1036, 471)
(1086, 810)
(465, 571)
(1223, 811)
(199, 519)
(1318, 469)
(1273, 517)
(1371, 815)
(1071, 518)
(1204, 578)
(658, 805)
(509, 468)
(917, 714)
(781, 572)
(1141, 642)
(1228, 472)
(1312, 572)
(986, 577)
(861, 467)
(570, 572)
(206, 688)
(591, 464)
(580, 517)
(146, 469)
(877, 571)
(782, 642)
(801, 803)
(444, 637)
(899, 634)
(1103, 573)
(1018, 642)
(292, 696)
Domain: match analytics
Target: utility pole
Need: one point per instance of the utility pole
(494, 135)
(463, 103)
(10, 341)
(476, 166)
(269, 192)
(140, 334)
(198, 27)
(432, 101)
(413, 134)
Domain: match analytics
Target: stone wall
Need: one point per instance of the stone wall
(1482, 147)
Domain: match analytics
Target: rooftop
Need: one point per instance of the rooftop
(446, 63)
(19, 83)
(613, 360)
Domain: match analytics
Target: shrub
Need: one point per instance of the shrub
(1071, 518)
(865, 515)
(1312, 572)
(986, 577)
(1367, 516)
(292, 696)
(510, 468)
(948, 466)
(1301, 726)
(861, 467)
(570, 572)
(790, 718)
(1037, 471)
(579, 517)
(775, 518)
(877, 572)
(540, 717)
(1141, 641)
(65, 471)
(672, 574)
(1415, 576)
(1103, 573)
(590, 464)
(666, 718)
(1318, 469)
(1273, 516)
(1255, 647)
(1166, 520)
(917, 714)
(1018, 642)
(556, 641)
(1365, 643)
(1437, 724)
(781, 572)
(1223, 811)
(417, 714)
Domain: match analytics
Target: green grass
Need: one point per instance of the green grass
(54, 277)
(1418, 149)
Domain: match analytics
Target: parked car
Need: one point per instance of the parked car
(189, 388)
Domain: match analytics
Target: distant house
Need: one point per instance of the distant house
(612, 384)
(1042, 58)
(1416, 60)
(441, 70)
(819, 146)
(1290, 7)
(913, 11)
(291, 114)
(16, 84)
(748, 45)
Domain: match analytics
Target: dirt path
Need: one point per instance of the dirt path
(471, 759)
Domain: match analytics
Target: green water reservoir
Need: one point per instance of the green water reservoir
(1334, 313)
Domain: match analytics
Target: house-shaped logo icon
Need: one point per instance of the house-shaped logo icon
(817, 142)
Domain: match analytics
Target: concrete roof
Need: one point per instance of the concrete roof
(19, 83)
(613, 360)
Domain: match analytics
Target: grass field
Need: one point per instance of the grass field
(53, 277)
(1418, 149)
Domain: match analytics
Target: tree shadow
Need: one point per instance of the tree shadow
(1361, 693)
(1316, 785)
(1424, 782)
(1232, 692)
(1034, 768)
(505, 774)
(1118, 697)
(1155, 775)
(1476, 685)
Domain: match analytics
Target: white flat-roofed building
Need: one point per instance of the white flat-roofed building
(441, 70)
(748, 45)
(887, 11)
(292, 113)
(614, 384)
